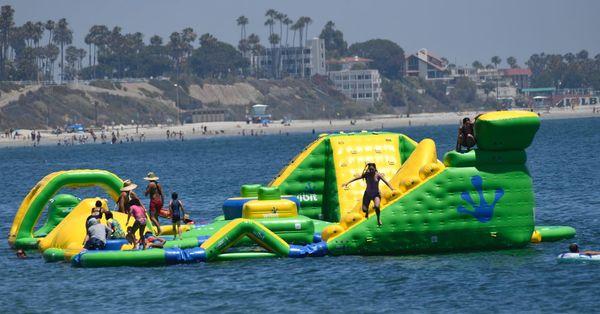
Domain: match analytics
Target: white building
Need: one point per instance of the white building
(356, 81)
(304, 61)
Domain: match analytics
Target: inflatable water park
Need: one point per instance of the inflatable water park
(482, 199)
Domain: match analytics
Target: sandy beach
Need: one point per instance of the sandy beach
(241, 128)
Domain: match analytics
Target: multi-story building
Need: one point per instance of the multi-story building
(355, 80)
(426, 65)
(281, 62)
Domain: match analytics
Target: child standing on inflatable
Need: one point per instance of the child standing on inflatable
(372, 178)
(138, 212)
(177, 213)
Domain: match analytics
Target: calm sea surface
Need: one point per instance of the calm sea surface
(564, 162)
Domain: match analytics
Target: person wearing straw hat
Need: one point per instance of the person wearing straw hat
(126, 196)
(155, 192)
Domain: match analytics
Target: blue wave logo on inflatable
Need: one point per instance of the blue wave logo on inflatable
(483, 211)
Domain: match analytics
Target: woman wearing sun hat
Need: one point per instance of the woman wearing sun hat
(155, 192)
(126, 196)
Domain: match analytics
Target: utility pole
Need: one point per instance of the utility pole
(96, 112)
(177, 103)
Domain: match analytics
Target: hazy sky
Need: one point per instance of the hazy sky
(460, 30)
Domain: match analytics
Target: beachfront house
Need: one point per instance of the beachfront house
(297, 62)
(354, 79)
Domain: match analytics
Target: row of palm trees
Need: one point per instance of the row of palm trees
(24, 46)
(250, 45)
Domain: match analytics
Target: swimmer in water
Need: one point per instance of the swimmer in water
(21, 254)
(574, 248)
(372, 178)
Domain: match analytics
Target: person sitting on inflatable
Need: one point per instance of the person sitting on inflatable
(114, 225)
(466, 135)
(96, 212)
(95, 239)
(153, 242)
(574, 248)
(372, 178)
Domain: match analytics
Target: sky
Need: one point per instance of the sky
(460, 30)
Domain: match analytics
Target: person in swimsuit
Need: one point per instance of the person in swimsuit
(126, 196)
(466, 135)
(574, 248)
(152, 241)
(137, 210)
(154, 191)
(372, 178)
(177, 213)
(114, 225)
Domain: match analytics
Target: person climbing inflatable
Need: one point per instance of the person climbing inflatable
(372, 194)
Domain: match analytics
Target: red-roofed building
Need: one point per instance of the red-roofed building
(519, 77)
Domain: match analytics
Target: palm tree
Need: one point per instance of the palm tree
(280, 17)
(62, 36)
(512, 62)
(242, 21)
(6, 25)
(255, 49)
(270, 22)
(51, 53)
(287, 22)
(307, 21)
(477, 65)
(89, 40)
(274, 40)
(49, 26)
(496, 60)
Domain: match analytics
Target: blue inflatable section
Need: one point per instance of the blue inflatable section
(311, 250)
(114, 244)
(232, 207)
(187, 256)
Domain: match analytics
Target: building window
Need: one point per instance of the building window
(368, 95)
(368, 77)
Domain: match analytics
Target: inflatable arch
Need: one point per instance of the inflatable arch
(21, 231)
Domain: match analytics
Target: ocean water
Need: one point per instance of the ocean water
(563, 160)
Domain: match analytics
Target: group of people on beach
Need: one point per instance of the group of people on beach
(130, 204)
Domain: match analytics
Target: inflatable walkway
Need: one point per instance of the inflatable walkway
(477, 200)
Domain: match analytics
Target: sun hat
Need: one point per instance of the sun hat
(151, 176)
(128, 186)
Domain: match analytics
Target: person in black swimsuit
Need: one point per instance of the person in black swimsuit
(372, 178)
(466, 135)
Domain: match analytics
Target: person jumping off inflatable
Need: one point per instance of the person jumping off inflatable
(372, 178)
(155, 192)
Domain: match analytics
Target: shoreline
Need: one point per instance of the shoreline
(240, 128)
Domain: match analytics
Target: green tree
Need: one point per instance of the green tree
(387, 56)
(477, 65)
(63, 35)
(242, 21)
(496, 60)
(6, 25)
(217, 59)
(335, 45)
(512, 62)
